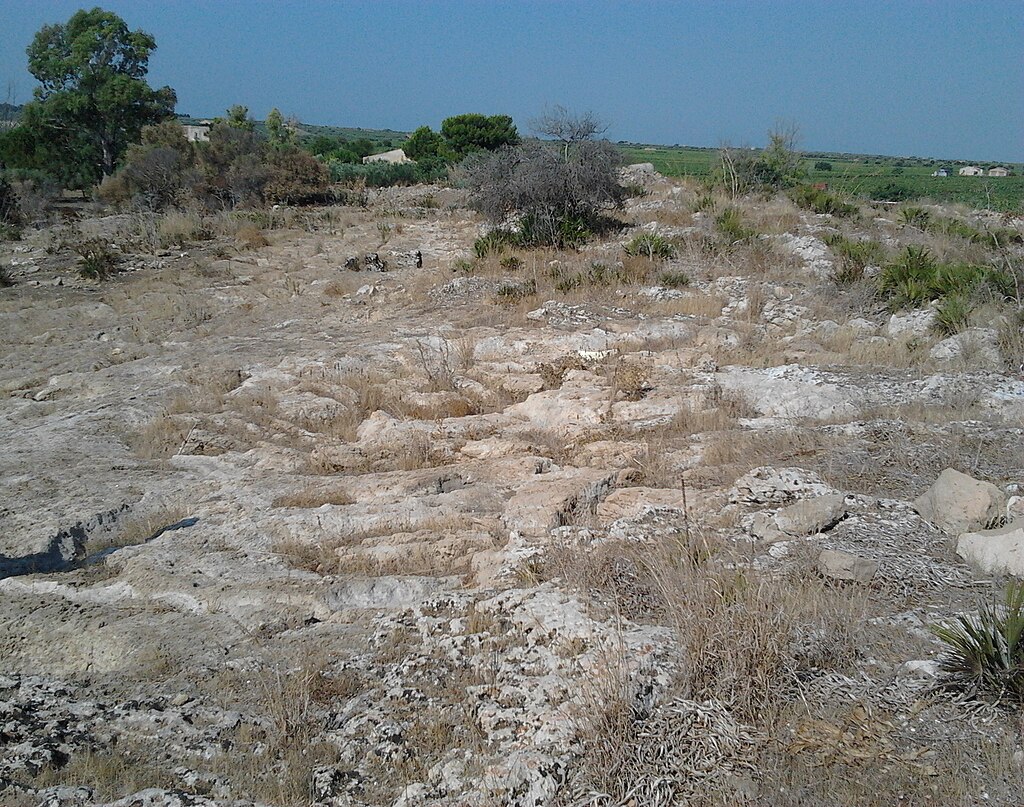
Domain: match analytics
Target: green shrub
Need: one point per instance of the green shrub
(915, 278)
(10, 212)
(96, 259)
(821, 201)
(375, 175)
(650, 245)
(985, 652)
(915, 217)
(511, 292)
(729, 224)
(674, 280)
(952, 314)
(892, 192)
(493, 243)
(822, 165)
(853, 257)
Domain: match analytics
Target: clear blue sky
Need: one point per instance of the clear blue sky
(942, 79)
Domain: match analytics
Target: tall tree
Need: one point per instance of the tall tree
(92, 71)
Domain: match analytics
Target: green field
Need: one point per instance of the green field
(868, 176)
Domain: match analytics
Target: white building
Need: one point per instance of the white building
(971, 171)
(393, 156)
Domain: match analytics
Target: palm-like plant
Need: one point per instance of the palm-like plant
(985, 652)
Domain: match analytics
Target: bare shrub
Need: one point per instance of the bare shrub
(558, 189)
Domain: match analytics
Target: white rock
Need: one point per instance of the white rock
(998, 551)
(957, 503)
(915, 324)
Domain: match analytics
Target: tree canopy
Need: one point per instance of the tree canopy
(474, 132)
(93, 99)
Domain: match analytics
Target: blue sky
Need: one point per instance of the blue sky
(940, 79)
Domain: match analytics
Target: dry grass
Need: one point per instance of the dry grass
(112, 774)
(727, 455)
(177, 228)
(249, 236)
(161, 438)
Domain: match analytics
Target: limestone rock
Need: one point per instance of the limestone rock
(959, 503)
(998, 551)
(976, 347)
(631, 502)
(839, 565)
(767, 485)
(806, 517)
(812, 515)
(915, 324)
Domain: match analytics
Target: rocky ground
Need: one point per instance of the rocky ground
(278, 529)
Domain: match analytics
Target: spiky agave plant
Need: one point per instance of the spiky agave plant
(985, 651)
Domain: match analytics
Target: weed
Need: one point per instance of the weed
(853, 257)
(97, 259)
(952, 314)
(511, 263)
(494, 243)
(729, 224)
(511, 292)
(918, 217)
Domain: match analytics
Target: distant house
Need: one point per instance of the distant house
(998, 171)
(393, 156)
(971, 171)
(197, 132)
(942, 172)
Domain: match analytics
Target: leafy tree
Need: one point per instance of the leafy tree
(362, 147)
(473, 132)
(822, 165)
(238, 118)
(425, 143)
(93, 100)
(280, 133)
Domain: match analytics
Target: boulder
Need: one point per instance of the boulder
(959, 503)
(998, 551)
(839, 565)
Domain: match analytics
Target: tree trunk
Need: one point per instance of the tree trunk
(108, 156)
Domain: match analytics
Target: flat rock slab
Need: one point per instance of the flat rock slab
(843, 566)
